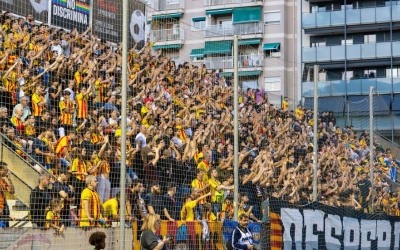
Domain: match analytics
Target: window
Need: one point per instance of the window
(272, 53)
(348, 41)
(395, 70)
(349, 75)
(347, 7)
(370, 38)
(198, 23)
(272, 84)
(388, 3)
(318, 9)
(369, 73)
(272, 17)
(318, 44)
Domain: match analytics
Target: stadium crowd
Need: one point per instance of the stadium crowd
(61, 104)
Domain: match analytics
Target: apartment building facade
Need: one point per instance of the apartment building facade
(202, 32)
(356, 45)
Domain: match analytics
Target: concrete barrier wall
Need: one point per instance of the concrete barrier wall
(72, 239)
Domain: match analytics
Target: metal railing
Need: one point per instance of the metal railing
(165, 5)
(352, 87)
(28, 159)
(224, 2)
(24, 169)
(354, 52)
(353, 17)
(251, 28)
(166, 35)
(226, 62)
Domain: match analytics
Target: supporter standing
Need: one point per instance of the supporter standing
(38, 101)
(202, 188)
(40, 199)
(6, 185)
(91, 209)
(365, 190)
(242, 238)
(154, 200)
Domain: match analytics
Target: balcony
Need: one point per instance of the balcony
(354, 52)
(226, 62)
(253, 28)
(354, 17)
(215, 4)
(176, 35)
(354, 87)
(169, 6)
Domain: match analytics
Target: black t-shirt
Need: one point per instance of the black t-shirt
(53, 102)
(250, 189)
(364, 186)
(156, 201)
(115, 172)
(88, 145)
(170, 205)
(39, 144)
(57, 187)
(217, 156)
(166, 165)
(133, 198)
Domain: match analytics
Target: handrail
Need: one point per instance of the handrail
(387, 139)
(23, 221)
(2, 136)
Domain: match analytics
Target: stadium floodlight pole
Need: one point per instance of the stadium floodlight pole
(122, 199)
(236, 127)
(91, 15)
(371, 144)
(49, 12)
(315, 137)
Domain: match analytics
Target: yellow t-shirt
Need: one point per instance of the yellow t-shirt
(94, 204)
(205, 167)
(285, 105)
(144, 110)
(52, 218)
(211, 216)
(79, 166)
(110, 208)
(300, 114)
(241, 211)
(216, 196)
(187, 210)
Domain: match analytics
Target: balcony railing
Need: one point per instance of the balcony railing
(165, 5)
(252, 28)
(354, 52)
(167, 35)
(226, 62)
(224, 2)
(354, 87)
(353, 17)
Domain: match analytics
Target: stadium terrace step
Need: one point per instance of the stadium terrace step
(23, 174)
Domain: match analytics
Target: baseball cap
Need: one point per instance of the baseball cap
(148, 99)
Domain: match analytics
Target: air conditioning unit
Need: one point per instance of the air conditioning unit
(257, 63)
